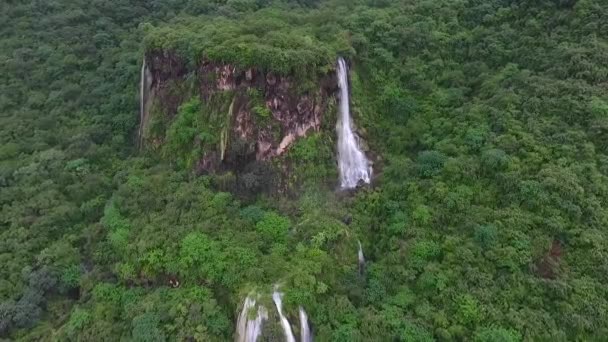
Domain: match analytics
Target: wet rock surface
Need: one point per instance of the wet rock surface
(272, 119)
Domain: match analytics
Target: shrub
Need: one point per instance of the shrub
(273, 227)
(430, 163)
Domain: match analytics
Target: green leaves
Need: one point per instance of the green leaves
(494, 160)
(486, 236)
(79, 319)
(313, 158)
(146, 328)
(497, 334)
(468, 310)
(273, 228)
(488, 136)
(252, 214)
(183, 131)
(267, 39)
(113, 220)
(422, 214)
(70, 277)
(430, 163)
(200, 257)
(422, 252)
(415, 333)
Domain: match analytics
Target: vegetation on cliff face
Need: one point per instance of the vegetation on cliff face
(294, 41)
(487, 220)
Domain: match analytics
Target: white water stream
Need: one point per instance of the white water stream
(305, 335)
(360, 254)
(142, 98)
(354, 166)
(277, 297)
(248, 330)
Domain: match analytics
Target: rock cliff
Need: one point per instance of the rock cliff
(266, 112)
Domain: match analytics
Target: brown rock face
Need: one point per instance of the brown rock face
(548, 266)
(270, 120)
(167, 71)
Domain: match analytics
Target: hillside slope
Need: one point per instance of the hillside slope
(486, 219)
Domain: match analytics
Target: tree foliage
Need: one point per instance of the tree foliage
(486, 221)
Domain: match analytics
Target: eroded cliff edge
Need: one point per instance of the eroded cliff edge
(241, 115)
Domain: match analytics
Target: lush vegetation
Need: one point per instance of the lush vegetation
(286, 41)
(486, 222)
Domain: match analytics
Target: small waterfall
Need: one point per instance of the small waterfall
(224, 132)
(360, 254)
(353, 164)
(304, 327)
(278, 301)
(146, 94)
(142, 99)
(361, 258)
(248, 330)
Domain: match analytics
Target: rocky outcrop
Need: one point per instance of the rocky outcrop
(167, 72)
(268, 111)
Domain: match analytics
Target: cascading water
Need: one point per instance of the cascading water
(248, 330)
(146, 96)
(278, 301)
(305, 335)
(361, 258)
(142, 98)
(354, 166)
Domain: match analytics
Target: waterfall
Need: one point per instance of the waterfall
(361, 258)
(248, 330)
(353, 164)
(277, 298)
(224, 131)
(142, 99)
(304, 328)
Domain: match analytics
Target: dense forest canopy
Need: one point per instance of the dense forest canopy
(486, 220)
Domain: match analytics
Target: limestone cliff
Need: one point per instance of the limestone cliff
(266, 111)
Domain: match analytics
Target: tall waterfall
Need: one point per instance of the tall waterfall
(143, 98)
(278, 301)
(248, 330)
(353, 164)
(304, 328)
(361, 258)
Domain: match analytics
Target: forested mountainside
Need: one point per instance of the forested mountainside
(169, 170)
